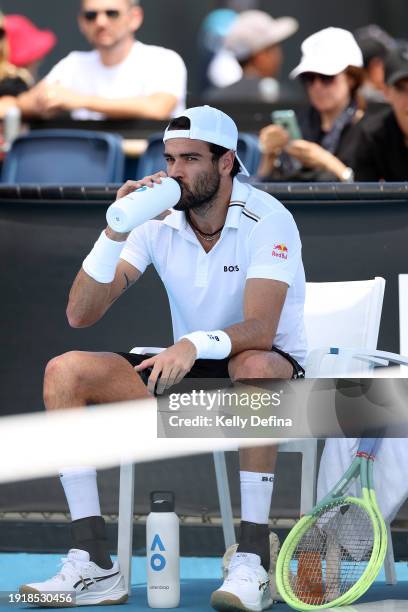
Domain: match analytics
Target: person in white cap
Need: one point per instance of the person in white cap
(331, 72)
(254, 39)
(229, 256)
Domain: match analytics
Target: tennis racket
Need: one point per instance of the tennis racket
(334, 553)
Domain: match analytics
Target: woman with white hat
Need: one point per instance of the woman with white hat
(331, 72)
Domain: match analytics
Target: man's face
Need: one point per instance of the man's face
(327, 94)
(191, 164)
(398, 98)
(105, 23)
(269, 61)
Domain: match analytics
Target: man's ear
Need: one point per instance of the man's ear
(226, 163)
(136, 17)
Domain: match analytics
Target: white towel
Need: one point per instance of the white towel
(390, 470)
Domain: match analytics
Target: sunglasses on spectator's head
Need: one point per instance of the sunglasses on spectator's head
(92, 15)
(308, 78)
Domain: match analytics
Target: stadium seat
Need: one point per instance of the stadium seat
(152, 159)
(65, 156)
(345, 315)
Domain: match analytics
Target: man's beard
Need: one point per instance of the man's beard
(203, 191)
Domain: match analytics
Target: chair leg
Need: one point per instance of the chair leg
(308, 450)
(224, 498)
(389, 561)
(309, 476)
(125, 522)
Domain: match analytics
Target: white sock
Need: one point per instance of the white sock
(81, 492)
(256, 495)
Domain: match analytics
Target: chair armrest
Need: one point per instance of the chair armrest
(374, 357)
(383, 355)
(377, 358)
(142, 350)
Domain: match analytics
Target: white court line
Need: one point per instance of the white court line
(38, 445)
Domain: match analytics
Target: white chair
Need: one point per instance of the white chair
(403, 312)
(342, 324)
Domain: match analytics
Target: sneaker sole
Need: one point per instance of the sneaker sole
(227, 602)
(26, 590)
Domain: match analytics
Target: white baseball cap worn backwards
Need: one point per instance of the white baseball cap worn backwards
(210, 125)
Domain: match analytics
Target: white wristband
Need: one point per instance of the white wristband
(101, 262)
(210, 345)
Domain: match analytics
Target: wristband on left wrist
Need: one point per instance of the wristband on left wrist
(210, 345)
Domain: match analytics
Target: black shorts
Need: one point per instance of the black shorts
(209, 368)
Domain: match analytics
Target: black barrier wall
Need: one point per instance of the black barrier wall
(349, 232)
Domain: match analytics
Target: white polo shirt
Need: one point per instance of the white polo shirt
(206, 290)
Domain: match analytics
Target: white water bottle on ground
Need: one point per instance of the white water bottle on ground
(163, 552)
(142, 205)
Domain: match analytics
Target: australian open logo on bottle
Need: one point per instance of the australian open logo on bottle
(157, 560)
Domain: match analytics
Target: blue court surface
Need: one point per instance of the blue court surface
(199, 577)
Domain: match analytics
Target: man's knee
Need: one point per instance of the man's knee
(63, 364)
(62, 371)
(249, 364)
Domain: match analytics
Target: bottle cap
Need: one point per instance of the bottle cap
(162, 501)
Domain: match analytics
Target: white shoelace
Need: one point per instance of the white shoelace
(69, 568)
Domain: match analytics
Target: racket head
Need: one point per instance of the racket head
(327, 558)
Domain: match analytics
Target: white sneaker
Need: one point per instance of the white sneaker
(80, 582)
(274, 546)
(246, 586)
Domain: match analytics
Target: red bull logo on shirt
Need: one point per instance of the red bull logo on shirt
(280, 250)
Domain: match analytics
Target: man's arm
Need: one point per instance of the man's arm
(155, 106)
(263, 303)
(89, 300)
(93, 291)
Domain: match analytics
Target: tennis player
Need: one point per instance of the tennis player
(229, 256)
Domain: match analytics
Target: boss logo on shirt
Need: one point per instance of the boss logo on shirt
(231, 268)
(280, 250)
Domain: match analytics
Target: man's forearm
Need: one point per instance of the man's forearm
(251, 334)
(92, 291)
(88, 300)
(157, 106)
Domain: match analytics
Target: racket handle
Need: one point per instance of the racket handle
(367, 445)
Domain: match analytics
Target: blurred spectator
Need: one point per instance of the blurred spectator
(13, 80)
(330, 70)
(217, 66)
(220, 66)
(254, 39)
(375, 44)
(121, 78)
(382, 152)
(27, 44)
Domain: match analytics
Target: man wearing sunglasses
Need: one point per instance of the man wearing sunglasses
(120, 78)
(382, 152)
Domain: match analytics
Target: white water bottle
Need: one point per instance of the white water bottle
(163, 552)
(142, 205)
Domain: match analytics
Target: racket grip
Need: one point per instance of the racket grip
(367, 445)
